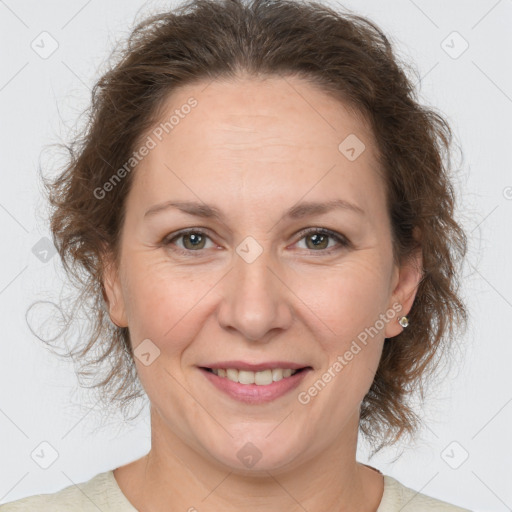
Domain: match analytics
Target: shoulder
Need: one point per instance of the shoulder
(399, 497)
(99, 493)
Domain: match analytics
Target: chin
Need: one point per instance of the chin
(258, 453)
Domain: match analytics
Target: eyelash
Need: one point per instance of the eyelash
(342, 241)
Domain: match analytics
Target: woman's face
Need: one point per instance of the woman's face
(252, 166)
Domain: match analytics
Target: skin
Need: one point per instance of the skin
(254, 148)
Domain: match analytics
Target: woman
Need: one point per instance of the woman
(264, 215)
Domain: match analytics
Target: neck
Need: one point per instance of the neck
(174, 473)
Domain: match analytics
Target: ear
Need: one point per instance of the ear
(113, 293)
(406, 280)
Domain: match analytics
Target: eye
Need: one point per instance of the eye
(319, 238)
(193, 240)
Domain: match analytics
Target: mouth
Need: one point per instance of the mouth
(255, 387)
(259, 378)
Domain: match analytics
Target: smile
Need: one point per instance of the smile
(255, 387)
(261, 378)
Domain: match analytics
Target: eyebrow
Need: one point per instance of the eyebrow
(298, 211)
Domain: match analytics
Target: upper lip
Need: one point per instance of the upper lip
(255, 367)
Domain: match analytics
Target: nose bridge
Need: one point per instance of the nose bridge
(254, 301)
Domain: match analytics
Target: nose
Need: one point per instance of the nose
(256, 299)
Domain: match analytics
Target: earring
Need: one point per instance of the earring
(403, 321)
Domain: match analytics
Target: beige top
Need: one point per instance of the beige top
(103, 493)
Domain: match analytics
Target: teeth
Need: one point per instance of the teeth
(245, 377)
(262, 378)
(232, 375)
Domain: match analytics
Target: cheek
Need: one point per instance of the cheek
(163, 303)
(167, 309)
(348, 303)
(347, 298)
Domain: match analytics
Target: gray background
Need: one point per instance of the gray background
(463, 454)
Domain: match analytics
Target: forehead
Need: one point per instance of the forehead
(255, 137)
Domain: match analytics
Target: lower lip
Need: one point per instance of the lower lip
(253, 393)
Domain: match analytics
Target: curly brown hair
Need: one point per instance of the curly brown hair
(348, 57)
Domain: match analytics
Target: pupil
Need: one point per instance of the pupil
(194, 239)
(316, 239)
